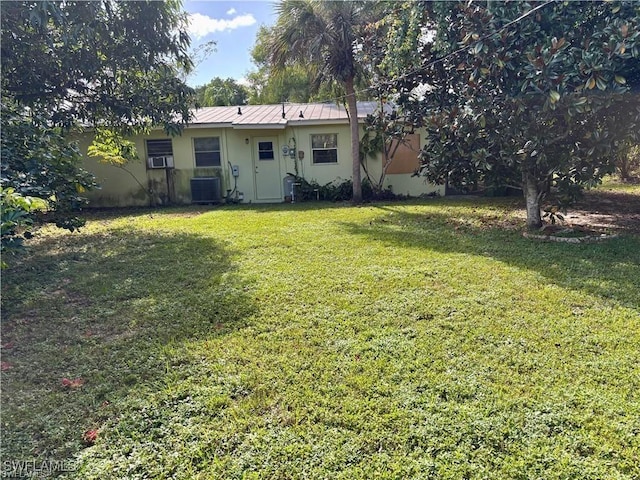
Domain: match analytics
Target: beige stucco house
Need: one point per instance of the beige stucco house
(246, 152)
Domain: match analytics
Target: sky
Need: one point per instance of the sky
(233, 26)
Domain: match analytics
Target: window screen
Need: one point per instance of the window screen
(325, 148)
(207, 151)
(159, 148)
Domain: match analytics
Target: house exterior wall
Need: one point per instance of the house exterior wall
(404, 183)
(328, 172)
(140, 186)
(118, 187)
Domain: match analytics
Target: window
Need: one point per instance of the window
(207, 151)
(324, 148)
(265, 151)
(159, 153)
(159, 148)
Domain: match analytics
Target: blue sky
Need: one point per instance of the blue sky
(233, 26)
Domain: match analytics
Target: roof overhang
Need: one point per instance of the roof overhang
(209, 125)
(259, 126)
(337, 121)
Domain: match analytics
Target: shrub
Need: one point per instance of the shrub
(337, 191)
(16, 219)
(628, 163)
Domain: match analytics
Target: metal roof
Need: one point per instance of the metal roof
(270, 116)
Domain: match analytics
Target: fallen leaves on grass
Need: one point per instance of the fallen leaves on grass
(90, 436)
(72, 384)
(4, 366)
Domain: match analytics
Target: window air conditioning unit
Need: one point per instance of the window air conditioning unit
(160, 162)
(205, 190)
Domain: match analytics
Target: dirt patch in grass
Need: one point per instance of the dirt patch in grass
(615, 211)
(597, 212)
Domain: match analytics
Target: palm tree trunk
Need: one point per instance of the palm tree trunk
(355, 140)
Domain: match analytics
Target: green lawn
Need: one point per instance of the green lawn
(401, 340)
(613, 184)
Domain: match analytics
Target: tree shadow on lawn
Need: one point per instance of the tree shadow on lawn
(104, 214)
(609, 269)
(117, 311)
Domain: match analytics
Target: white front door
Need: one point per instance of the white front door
(266, 164)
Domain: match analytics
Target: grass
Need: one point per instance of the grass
(614, 184)
(415, 340)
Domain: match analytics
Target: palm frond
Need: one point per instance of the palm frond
(318, 33)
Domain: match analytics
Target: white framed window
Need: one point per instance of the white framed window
(265, 151)
(207, 151)
(324, 148)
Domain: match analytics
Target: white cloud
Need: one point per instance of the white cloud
(231, 11)
(201, 25)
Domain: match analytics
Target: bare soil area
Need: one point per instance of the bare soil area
(614, 212)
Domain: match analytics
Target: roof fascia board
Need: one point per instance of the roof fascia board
(338, 121)
(262, 126)
(210, 125)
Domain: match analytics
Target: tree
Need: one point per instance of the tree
(221, 92)
(323, 36)
(535, 94)
(102, 62)
(385, 131)
(65, 65)
(290, 84)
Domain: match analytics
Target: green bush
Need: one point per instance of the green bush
(16, 218)
(337, 191)
(628, 163)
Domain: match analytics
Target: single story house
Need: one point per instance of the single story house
(246, 153)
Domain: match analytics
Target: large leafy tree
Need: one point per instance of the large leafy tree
(99, 62)
(103, 64)
(531, 94)
(290, 83)
(221, 92)
(324, 37)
